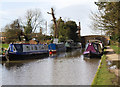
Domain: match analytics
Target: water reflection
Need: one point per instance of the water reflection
(68, 68)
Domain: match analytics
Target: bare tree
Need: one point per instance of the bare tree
(13, 31)
(97, 21)
(55, 23)
(33, 20)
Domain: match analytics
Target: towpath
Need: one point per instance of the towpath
(114, 59)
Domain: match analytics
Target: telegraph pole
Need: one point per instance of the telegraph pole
(46, 27)
(54, 20)
(79, 29)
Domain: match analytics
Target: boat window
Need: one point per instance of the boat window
(100, 49)
(56, 46)
(31, 47)
(39, 47)
(86, 46)
(14, 49)
(18, 47)
(95, 46)
(35, 47)
(42, 47)
(27, 47)
(46, 47)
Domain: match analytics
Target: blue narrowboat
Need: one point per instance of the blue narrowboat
(26, 51)
(59, 47)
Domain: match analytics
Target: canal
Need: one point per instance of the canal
(69, 68)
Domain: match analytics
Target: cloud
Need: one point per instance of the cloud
(24, 0)
(57, 3)
(77, 10)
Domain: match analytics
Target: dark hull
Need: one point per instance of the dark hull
(68, 48)
(72, 48)
(2, 58)
(24, 57)
(61, 50)
(93, 55)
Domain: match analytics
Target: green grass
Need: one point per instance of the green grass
(103, 76)
(115, 48)
(4, 45)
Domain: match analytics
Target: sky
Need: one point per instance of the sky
(76, 10)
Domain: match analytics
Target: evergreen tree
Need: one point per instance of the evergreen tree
(61, 30)
(71, 29)
(66, 30)
(108, 18)
(13, 32)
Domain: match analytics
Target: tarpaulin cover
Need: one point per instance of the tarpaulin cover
(90, 48)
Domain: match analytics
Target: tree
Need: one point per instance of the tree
(61, 31)
(71, 29)
(66, 30)
(96, 23)
(54, 21)
(13, 32)
(33, 20)
(108, 18)
(28, 28)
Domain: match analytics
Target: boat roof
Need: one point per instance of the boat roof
(24, 44)
(98, 41)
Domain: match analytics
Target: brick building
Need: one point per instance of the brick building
(2, 37)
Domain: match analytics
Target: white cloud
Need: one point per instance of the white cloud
(23, 0)
(2, 12)
(57, 3)
(73, 9)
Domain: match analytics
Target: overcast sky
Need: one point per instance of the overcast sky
(76, 10)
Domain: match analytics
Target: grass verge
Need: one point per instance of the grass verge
(115, 48)
(4, 45)
(103, 76)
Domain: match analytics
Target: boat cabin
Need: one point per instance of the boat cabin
(21, 48)
(93, 47)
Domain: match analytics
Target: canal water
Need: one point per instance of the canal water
(69, 68)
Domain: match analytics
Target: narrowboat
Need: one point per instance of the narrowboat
(93, 49)
(26, 51)
(71, 45)
(54, 48)
(98, 42)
